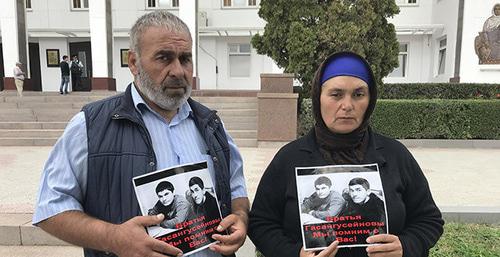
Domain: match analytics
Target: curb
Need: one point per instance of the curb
(451, 143)
(16, 228)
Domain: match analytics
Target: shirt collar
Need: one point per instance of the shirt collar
(141, 106)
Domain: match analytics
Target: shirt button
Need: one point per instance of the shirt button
(151, 164)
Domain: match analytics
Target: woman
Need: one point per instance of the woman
(344, 94)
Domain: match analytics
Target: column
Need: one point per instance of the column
(101, 40)
(188, 12)
(14, 39)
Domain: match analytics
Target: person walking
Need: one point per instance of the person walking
(19, 78)
(63, 89)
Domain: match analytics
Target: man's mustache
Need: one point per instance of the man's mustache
(175, 82)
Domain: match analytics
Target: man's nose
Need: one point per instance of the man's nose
(176, 69)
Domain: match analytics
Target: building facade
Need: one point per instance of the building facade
(436, 38)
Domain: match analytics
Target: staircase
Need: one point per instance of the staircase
(39, 118)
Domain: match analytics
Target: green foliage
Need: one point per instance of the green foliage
(300, 34)
(430, 118)
(468, 240)
(464, 240)
(438, 90)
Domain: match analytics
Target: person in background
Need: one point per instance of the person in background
(19, 78)
(63, 89)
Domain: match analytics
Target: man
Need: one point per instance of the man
(64, 75)
(86, 195)
(174, 208)
(363, 202)
(76, 72)
(324, 202)
(203, 202)
(19, 78)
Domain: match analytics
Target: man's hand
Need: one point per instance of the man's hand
(387, 246)
(131, 240)
(330, 251)
(237, 228)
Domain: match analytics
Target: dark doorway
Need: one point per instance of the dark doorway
(35, 72)
(2, 74)
(82, 50)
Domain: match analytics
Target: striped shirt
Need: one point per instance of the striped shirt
(64, 180)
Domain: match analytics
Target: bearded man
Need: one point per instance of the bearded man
(86, 195)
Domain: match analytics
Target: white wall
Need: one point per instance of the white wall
(446, 13)
(51, 77)
(475, 14)
(208, 78)
(415, 14)
(122, 75)
(56, 14)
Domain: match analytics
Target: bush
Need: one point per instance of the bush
(432, 119)
(438, 90)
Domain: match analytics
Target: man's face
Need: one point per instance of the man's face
(358, 193)
(163, 69)
(322, 191)
(197, 193)
(497, 9)
(166, 197)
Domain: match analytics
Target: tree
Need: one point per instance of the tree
(299, 34)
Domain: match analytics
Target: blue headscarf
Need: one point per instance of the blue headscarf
(347, 64)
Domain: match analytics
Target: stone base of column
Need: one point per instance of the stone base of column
(9, 84)
(277, 119)
(103, 84)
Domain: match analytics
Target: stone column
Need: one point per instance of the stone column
(14, 39)
(277, 106)
(101, 40)
(188, 12)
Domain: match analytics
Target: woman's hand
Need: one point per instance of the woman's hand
(330, 251)
(387, 246)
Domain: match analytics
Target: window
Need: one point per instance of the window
(406, 2)
(442, 56)
(239, 3)
(239, 60)
(163, 4)
(80, 4)
(400, 71)
(28, 4)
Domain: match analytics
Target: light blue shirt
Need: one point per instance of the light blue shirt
(64, 179)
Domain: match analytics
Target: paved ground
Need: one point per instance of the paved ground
(457, 177)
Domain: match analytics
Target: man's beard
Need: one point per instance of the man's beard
(158, 94)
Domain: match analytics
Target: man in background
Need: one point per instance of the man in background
(63, 89)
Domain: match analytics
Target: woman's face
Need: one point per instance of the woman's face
(343, 101)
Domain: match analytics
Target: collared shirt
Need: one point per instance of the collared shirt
(64, 180)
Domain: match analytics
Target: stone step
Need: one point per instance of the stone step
(232, 105)
(245, 142)
(32, 125)
(30, 133)
(243, 133)
(240, 126)
(55, 105)
(27, 141)
(237, 112)
(224, 99)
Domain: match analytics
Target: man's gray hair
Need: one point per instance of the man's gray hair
(159, 18)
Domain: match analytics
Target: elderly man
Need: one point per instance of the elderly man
(86, 195)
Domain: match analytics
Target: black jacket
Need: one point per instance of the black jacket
(64, 68)
(412, 214)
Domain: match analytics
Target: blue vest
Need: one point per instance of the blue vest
(120, 148)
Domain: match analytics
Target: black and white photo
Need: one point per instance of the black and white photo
(185, 195)
(340, 202)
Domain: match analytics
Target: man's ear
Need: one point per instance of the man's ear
(132, 62)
